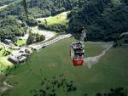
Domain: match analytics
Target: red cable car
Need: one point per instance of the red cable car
(77, 53)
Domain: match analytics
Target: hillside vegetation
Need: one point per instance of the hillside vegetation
(110, 72)
(103, 19)
(4, 63)
(10, 28)
(56, 23)
(39, 8)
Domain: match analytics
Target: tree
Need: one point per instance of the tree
(10, 28)
(35, 38)
(103, 19)
(25, 8)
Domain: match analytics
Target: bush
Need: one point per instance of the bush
(10, 28)
(55, 27)
(103, 21)
(32, 22)
(33, 38)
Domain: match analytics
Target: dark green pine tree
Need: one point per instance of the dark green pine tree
(25, 8)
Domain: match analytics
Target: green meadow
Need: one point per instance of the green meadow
(21, 42)
(57, 19)
(50, 62)
(4, 63)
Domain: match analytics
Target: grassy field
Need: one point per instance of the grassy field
(58, 19)
(110, 72)
(21, 42)
(4, 63)
(57, 23)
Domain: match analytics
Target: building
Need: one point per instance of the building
(20, 56)
(17, 58)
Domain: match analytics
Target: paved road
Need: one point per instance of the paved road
(47, 43)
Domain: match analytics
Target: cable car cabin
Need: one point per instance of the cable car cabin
(77, 53)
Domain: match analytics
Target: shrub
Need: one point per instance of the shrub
(33, 38)
(55, 27)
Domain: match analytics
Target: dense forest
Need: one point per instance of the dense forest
(103, 19)
(39, 8)
(10, 28)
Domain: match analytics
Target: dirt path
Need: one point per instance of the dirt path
(5, 87)
(90, 61)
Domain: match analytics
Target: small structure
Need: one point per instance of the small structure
(20, 55)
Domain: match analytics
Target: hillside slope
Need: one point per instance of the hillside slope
(110, 72)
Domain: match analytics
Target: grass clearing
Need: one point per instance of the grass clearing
(58, 19)
(110, 72)
(1, 50)
(4, 64)
(57, 23)
(21, 42)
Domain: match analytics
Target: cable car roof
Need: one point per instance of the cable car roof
(125, 33)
